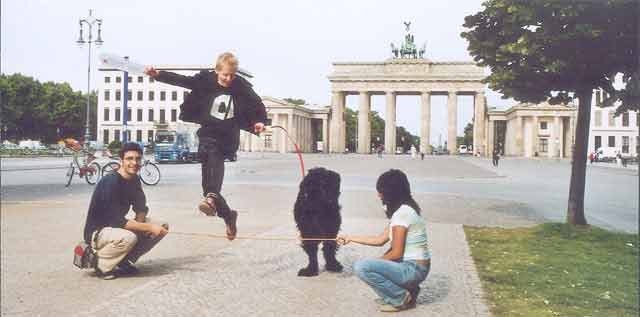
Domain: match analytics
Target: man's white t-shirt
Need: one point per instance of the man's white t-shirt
(416, 245)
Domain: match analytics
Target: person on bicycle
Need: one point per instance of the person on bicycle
(219, 135)
(119, 241)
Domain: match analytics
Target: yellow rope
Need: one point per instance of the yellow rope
(218, 236)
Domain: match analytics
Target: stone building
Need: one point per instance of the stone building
(532, 130)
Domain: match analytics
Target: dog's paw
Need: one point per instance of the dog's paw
(308, 272)
(334, 267)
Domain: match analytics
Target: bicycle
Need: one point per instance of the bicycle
(149, 172)
(88, 169)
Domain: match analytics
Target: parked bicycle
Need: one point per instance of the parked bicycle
(89, 169)
(149, 172)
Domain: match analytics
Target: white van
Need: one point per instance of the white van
(463, 149)
(607, 153)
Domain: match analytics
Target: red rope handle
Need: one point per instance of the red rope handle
(295, 145)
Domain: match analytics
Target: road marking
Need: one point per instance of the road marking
(33, 202)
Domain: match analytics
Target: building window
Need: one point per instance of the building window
(543, 145)
(612, 119)
(138, 135)
(543, 125)
(105, 116)
(118, 79)
(129, 95)
(174, 95)
(139, 115)
(625, 144)
(118, 95)
(612, 141)
(139, 94)
(106, 95)
(174, 115)
(151, 79)
(107, 80)
(105, 137)
(597, 142)
(637, 145)
(598, 118)
(163, 96)
(151, 96)
(117, 116)
(598, 97)
(129, 79)
(150, 136)
(184, 95)
(267, 141)
(139, 79)
(150, 115)
(129, 115)
(162, 115)
(116, 135)
(625, 119)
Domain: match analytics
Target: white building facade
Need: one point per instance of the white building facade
(151, 105)
(608, 130)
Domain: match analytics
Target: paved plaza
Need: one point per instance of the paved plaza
(187, 275)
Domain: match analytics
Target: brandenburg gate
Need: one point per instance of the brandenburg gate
(407, 72)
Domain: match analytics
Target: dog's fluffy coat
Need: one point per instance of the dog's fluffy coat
(317, 215)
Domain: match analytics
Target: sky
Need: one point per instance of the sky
(288, 45)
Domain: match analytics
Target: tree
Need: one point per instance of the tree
(295, 101)
(557, 50)
(468, 135)
(45, 111)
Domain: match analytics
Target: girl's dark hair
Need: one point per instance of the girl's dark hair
(396, 191)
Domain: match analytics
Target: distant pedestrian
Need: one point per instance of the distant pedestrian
(380, 149)
(422, 155)
(591, 157)
(496, 157)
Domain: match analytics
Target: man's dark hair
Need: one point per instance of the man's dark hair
(396, 191)
(129, 146)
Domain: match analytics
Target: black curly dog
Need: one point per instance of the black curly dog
(317, 215)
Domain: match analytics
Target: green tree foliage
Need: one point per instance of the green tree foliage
(468, 135)
(377, 131)
(35, 110)
(559, 50)
(405, 139)
(295, 101)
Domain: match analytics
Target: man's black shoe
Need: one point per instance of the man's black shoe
(127, 268)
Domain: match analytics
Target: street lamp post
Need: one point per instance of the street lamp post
(89, 21)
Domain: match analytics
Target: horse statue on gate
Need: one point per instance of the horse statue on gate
(408, 49)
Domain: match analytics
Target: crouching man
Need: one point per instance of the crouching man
(119, 241)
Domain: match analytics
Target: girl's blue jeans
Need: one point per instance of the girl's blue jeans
(391, 280)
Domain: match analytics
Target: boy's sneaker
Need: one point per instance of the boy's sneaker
(208, 206)
(230, 221)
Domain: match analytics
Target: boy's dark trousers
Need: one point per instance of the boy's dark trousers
(212, 159)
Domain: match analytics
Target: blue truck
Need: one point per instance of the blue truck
(174, 146)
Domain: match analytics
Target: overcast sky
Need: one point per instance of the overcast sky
(288, 45)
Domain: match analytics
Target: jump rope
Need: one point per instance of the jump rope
(280, 238)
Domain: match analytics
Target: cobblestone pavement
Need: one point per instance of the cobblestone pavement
(187, 275)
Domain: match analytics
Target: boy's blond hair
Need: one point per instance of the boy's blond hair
(227, 58)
